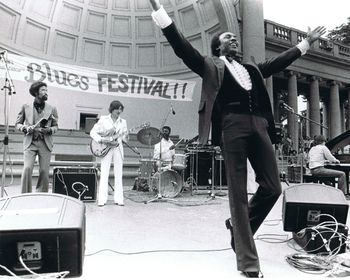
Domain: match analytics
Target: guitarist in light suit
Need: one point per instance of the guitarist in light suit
(38, 122)
(111, 130)
(235, 104)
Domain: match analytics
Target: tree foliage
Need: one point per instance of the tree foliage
(341, 33)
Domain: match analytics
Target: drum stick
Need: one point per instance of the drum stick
(172, 147)
(179, 142)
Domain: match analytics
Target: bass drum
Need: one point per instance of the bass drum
(170, 183)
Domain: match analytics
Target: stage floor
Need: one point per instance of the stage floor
(183, 239)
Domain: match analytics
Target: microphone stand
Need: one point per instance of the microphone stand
(159, 195)
(302, 118)
(8, 90)
(134, 149)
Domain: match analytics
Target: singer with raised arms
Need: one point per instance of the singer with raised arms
(235, 106)
(111, 130)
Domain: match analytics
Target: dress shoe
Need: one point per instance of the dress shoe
(253, 274)
(229, 226)
(119, 204)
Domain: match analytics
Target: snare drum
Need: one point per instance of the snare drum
(179, 162)
(170, 183)
(146, 168)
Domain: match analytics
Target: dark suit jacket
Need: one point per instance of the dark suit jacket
(25, 118)
(211, 69)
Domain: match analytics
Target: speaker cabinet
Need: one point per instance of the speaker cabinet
(46, 230)
(77, 182)
(304, 204)
(199, 166)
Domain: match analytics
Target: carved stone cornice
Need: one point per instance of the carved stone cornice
(314, 78)
(290, 73)
(332, 83)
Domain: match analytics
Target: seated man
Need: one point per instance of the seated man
(164, 151)
(319, 154)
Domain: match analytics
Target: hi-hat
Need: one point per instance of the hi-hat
(149, 136)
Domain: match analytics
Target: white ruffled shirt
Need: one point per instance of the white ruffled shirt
(239, 72)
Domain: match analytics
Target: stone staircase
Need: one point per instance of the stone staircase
(71, 149)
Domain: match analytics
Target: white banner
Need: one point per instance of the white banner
(96, 81)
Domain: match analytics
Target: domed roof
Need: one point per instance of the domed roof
(110, 34)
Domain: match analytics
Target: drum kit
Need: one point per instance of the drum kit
(166, 179)
(163, 177)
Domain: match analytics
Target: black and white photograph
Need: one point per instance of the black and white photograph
(174, 139)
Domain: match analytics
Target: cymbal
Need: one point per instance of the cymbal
(149, 136)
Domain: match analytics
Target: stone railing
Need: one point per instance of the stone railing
(290, 36)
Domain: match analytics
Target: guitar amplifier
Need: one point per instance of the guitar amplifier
(77, 182)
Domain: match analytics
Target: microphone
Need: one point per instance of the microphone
(287, 107)
(137, 151)
(172, 109)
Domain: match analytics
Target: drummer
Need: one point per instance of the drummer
(164, 151)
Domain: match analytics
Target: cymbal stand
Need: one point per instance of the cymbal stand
(191, 180)
(211, 192)
(220, 192)
(9, 90)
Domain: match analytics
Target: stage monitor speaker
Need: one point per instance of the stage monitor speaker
(46, 230)
(303, 204)
(77, 182)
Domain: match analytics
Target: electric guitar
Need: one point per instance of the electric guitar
(101, 149)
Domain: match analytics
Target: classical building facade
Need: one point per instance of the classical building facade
(119, 35)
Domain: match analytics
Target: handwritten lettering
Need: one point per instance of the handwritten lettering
(132, 84)
(38, 73)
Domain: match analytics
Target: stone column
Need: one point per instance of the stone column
(306, 122)
(269, 87)
(342, 118)
(253, 35)
(314, 102)
(325, 132)
(293, 127)
(348, 120)
(334, 110)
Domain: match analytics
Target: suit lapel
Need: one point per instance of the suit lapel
(220, 65)
(47, 111)
(30, 114)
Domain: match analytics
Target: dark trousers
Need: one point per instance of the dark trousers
(245, 136)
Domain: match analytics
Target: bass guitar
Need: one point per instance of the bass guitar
(101, 149)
